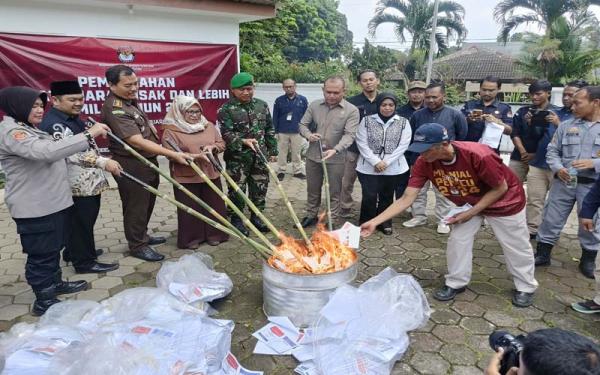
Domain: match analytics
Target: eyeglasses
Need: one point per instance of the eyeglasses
(193, 113)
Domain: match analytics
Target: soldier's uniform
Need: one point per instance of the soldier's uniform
(126, 119)
(239, 121)
(574, 139)
(38, 197)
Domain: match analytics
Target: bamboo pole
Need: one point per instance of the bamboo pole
(288, 204)
(238, 190)
(195, 213)
(225, 198)
(203, 204)
(326, 183)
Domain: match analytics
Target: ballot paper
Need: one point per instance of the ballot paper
(190, 293)
(348, 234)
(492, 134)
(280, 335)
(307, 368)
(231, 366)
(455, 211)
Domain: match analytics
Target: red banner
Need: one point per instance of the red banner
(164, 69)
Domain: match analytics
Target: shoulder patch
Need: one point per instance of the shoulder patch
(118, 112)
(19, 135)
(117, 103)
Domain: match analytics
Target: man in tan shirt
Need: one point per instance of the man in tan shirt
(329, 123)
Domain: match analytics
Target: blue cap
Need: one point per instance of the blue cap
(428, 135)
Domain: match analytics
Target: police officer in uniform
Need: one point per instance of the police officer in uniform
(37, 194)
(487, 108)
(127, 121)
(573, 155)
(245, 123)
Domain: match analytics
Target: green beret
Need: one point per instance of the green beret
(242, 79)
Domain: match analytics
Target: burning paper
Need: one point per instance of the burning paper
(331, 252)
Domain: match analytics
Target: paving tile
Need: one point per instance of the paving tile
(453, 341)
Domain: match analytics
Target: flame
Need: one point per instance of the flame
(327, 255)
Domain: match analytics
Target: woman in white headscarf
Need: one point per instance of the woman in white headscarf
(186, 126)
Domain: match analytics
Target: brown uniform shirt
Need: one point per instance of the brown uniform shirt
(126, 119)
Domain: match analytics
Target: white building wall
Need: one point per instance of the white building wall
(113, 20)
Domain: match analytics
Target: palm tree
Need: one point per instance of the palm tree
(566, 52)
(414, 17)
(542, 13)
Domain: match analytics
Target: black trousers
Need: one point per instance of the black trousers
(42, 239)
(378, 194)
(81, 248)
(137, 202)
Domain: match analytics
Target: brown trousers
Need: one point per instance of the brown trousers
(137, 202)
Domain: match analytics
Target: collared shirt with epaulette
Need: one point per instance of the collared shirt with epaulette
(497, 109)
(36, 171)
(575, 139)
(238, 121)
(126, 119)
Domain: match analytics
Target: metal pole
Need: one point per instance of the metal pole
(432, 44)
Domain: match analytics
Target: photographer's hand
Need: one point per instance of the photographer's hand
(494, 366)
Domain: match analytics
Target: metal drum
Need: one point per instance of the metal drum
(300, 297)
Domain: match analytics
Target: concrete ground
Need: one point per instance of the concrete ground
(455, 341)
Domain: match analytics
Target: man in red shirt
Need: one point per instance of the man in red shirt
(470, 173)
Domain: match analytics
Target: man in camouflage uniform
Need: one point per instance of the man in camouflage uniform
(245, 123)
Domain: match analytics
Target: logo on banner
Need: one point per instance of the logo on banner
(126, 54)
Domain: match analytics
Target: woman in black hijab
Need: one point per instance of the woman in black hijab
(382, 139)
(37, 190)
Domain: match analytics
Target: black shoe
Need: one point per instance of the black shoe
(258, 223)
(147, 253)
(44, 298)
(522, 299)
(301, 176)
(97, 267)
(309, 221)
(446, 293)
(587, 263)
(66, 287)
(237, 223)
(387, 231)
(156, 240)
(280, 176)
(99, 252)
(543, 252)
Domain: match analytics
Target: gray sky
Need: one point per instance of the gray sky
(478, 19)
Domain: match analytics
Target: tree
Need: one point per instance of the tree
(414, 18)
(304, 30)
(564, 53)
(373, 57)
(542, 13)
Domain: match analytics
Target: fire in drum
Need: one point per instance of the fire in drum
(299, 289)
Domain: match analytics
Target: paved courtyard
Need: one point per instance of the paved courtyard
(455, 341)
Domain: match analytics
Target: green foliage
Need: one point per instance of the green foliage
(564, 53)
(310, 72)
(304, 30)
(414, 17)
(305, 41)
(514, 13)
(373, 57)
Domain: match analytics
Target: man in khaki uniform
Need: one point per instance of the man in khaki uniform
(128, 122)
(331, 123)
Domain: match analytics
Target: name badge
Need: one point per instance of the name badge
(289, 116)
